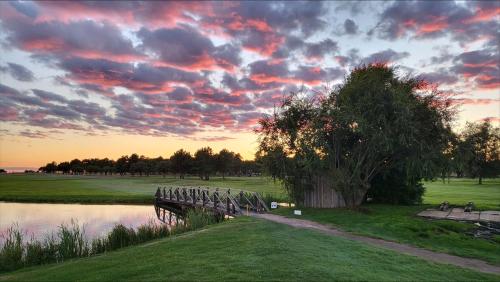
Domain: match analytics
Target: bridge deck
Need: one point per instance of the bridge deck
(222, 201)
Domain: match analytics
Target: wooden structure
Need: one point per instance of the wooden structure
(220, 201)
(322, 195)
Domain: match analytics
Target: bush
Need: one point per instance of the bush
(394, 187)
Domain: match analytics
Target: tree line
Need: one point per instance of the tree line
(203, 163)
(474, 152)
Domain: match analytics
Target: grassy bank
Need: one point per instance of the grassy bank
(248, 249)
(112, 189)
(400, 223)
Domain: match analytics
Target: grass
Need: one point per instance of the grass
(248, 249)
(400, 223)
(462, 191)
(70, 241)
(113, 189)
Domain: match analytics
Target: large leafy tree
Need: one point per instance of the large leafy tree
(478, 151)
(371, 124)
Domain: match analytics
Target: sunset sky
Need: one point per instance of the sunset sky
(104, 79)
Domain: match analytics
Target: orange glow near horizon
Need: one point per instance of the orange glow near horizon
(18, 151)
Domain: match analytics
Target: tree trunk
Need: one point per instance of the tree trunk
(480, 180)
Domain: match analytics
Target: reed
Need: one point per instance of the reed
(70, 241)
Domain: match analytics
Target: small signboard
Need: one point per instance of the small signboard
(274, 205)
(297, 212)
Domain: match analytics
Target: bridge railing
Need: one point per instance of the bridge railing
(226, 200)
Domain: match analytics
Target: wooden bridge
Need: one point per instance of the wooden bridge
(219, 200)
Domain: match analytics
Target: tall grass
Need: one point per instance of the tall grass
(70, 242)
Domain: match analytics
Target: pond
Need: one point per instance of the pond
(40, 220)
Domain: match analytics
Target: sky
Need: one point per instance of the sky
(104, 79)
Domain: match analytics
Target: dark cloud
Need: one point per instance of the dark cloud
(33, 134)
(481, 66)
(321, 49)
(84, 38)
(26, 8)
(385, 57)
(18, 72)
(427, 19)
(440, 77)
(350, 27)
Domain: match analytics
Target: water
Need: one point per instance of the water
(39, 220)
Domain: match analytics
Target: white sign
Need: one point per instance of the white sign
(297, 212)
(274, 205)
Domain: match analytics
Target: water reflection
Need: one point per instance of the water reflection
(38, 220)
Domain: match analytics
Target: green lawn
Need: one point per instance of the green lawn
(105, 189)
(461, 191)
(400, 223)
(249, 249)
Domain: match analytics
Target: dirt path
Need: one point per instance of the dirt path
(474, 264)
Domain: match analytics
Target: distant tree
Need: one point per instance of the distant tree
(479, 149)
(2, 170)
(64, 167)
(181, 163)
(224, 160)
(272, 161)
(139, 167)
(49, 168)
(163, 167)
(76, 166)
(122, 165)
(204, 162)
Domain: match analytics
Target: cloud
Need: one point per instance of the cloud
(350, 27)
(480, 101)
(385, 57)
(33, 134)
(18, 72)
(84, 38)
(320, 49)
(424, 19)
(481, 66)
(439, 77)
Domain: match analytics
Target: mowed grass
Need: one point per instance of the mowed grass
(400, 224)
(461, 191)
(248, 249)
(112, 189)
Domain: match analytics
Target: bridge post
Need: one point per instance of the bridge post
(257, 202)
(177, 194)
(204, 197)
(215, 198)
(194, 196)
(184, 193)
(228, 206)
(170, 192)
(164, 194)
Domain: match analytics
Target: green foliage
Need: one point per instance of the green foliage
(477, 153)
(372, 123)
(204, 160)
(395, 187)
